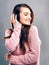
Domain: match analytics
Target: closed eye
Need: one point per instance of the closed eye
(27, 14)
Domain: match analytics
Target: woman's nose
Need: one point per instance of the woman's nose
(29, 17)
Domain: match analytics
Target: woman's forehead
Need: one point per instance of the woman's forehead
(25, 9)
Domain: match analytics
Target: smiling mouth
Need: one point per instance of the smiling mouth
(28, 20)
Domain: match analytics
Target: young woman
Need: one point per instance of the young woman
(22, 41)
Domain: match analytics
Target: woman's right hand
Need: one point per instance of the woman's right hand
(13, 19)
(7, 56)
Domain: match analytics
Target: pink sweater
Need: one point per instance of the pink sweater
(12, 44)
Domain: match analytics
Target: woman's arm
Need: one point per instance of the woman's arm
(12, 42)
(33, 55)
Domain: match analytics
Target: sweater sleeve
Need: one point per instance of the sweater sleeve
(12, 42)
(33, 55)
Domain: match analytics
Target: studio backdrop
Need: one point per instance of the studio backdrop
(41, 20)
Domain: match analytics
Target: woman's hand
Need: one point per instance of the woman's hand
(8, 32)
(7, 57)
(13, 18)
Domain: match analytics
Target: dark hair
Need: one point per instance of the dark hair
(16, 11)
(25, 28)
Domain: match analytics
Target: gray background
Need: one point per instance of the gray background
(41, 20)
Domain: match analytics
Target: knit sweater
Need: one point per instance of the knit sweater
(32, 54)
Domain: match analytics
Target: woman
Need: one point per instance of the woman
(22, 41)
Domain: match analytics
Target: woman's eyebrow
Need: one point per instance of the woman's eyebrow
(27, 12)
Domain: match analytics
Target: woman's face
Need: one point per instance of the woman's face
(25, 15)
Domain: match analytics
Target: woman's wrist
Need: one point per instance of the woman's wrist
(17, 25)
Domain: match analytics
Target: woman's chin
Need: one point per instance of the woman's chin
(26, 24)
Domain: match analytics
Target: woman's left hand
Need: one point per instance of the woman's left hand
(7, 57)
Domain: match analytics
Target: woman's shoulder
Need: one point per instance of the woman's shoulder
(34, 28)
(34, 31)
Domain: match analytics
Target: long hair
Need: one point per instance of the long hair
(25, 28)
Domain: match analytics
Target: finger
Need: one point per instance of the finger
(6, 57)
(13, 17)
(16, 18)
